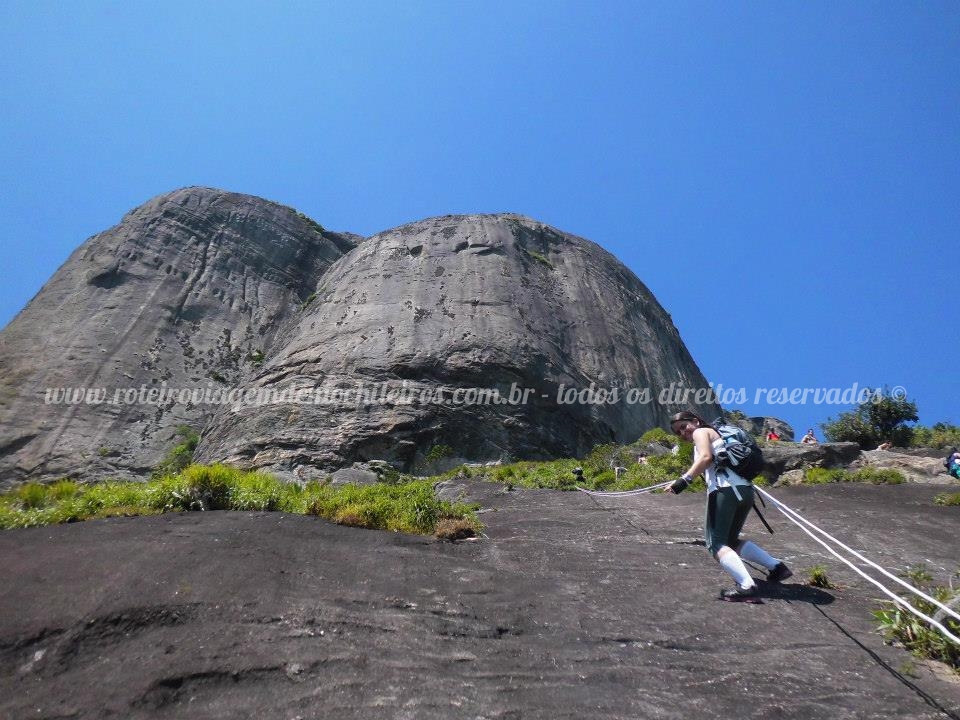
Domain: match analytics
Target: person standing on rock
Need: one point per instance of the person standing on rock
(729, 499)
(952, 463)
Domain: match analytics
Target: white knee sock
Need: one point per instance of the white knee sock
(734, 566)
(754, 553)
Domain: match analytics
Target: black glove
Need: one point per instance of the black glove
(679, 485)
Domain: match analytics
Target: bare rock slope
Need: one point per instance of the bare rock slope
(570, 608)
(454, 303)
(186, 291)
(206, 290)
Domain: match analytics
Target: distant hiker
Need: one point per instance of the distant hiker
(729, 499)
(772, 435)
(952, 463)
(809, 438)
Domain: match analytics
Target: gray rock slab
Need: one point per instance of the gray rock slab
(458, 304)
(187, 292)
(485, 494)
(916, 468)
(355, 476)
(781, 457)
(571, 607)
(226, 294)
(760, 426)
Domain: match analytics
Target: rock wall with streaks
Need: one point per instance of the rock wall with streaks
(188, 290)
(214, 291)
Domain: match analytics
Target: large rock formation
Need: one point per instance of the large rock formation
(784, 457)
(207, 290)
(760, 426)
(460, 302)
(187, 291)
(915, 466)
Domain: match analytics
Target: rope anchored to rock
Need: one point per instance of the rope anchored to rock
(624, 493)
(810, 529)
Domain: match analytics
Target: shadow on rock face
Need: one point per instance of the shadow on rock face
(794, 592)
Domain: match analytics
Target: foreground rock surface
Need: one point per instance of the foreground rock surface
(570, 608)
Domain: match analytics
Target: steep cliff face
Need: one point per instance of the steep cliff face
(492, 302)
(186, 291)
(212, 291)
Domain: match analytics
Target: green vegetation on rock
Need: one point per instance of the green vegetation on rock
(661, 436)
(409, 507)
(539, 257)
(940, 437)
(916, 635)
(311, 222)
(875, 476)
(817, 577)
(438, 452)
(181, 454)
(598, 468)
(947, 499)
(874, 421)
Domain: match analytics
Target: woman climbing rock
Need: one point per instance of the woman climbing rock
(729, 500)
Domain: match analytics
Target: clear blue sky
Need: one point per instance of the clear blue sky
(797, 167)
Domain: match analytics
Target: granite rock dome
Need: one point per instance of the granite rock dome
(184, 292)
(223, 292)
(453, 303)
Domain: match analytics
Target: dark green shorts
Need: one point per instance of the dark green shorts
(725, 517)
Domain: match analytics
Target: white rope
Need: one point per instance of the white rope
(624, 493)
(860, 557)
(799, 521)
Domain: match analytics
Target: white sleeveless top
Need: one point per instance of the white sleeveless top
(722, 478)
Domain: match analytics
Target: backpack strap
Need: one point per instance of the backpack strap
(762, 518)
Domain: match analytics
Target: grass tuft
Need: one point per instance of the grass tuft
(947, 499)
(455, 529)
(409, 507)
(900, 625)
(818, 577)
(33, 495)
(181, 455)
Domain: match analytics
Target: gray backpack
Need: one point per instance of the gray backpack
(740, 451)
